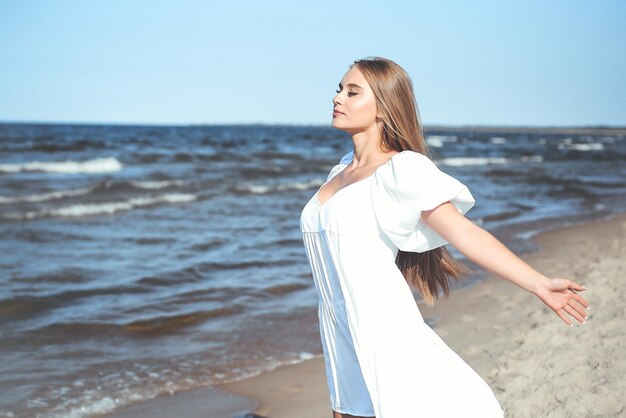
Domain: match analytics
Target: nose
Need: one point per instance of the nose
(336, 99)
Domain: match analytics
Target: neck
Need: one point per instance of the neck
(367, 149)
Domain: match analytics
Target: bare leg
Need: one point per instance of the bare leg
(338, 415)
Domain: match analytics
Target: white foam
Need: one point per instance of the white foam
(434, 142)
(42, 197)
(466, 161)
(117, 390)
(102, 208)
(255, 189)
(438, 140)
(526, 235)
(91, 402)
(607, 139)
(46, 196)
(497, 140)
(98, 165)
(262, 188)
(597, 146)
(532, 158)
(157, 184)
(98, 406)
(443, 138)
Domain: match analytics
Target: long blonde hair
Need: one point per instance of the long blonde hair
(402, 130)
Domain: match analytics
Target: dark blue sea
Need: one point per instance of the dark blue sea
(142, 260)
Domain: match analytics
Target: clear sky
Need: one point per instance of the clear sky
(523, 63)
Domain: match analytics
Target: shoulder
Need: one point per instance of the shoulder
(406, 165)
(410, 173)
(408, 157)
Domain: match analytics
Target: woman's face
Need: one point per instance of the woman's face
(354, 107)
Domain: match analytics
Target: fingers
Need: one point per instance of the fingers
(580, 300)
(563, 317)
(576, 286)
(573, 312)
(576, 307)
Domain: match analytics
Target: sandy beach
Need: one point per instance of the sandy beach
(536, 365)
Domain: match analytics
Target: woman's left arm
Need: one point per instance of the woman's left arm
(484, 249)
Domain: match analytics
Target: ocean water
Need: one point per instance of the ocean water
(139, 260)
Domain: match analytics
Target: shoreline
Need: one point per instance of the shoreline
(534, 363)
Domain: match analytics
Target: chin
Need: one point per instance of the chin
(338, 127)
(344, 128)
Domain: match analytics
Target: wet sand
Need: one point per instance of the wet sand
(535, 364)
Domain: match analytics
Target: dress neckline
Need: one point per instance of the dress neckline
(345, 164)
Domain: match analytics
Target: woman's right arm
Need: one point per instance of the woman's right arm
(487, 251)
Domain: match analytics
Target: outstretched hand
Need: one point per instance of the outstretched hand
(560, 296)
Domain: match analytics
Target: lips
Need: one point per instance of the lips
(336, 112)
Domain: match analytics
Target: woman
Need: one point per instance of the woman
(375, 229)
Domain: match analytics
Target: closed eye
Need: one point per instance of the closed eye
(349, 93)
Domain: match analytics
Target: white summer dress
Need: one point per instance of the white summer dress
(381, 358)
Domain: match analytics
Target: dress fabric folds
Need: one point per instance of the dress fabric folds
(381, 358)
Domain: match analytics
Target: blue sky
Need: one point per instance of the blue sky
(525, 63)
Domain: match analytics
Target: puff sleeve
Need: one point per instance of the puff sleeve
(405, 186)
